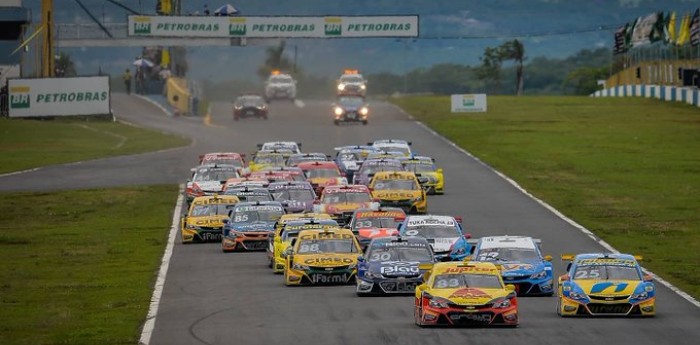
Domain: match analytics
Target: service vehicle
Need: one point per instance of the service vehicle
(391, 265)
(208, 180)
(399, 189)
(350, 109)
(322, 257)
(342, 201)
(250, 105)
(368, 224)
(465, 294)
(297, 158)
(295, 196)
(283, 240)
(280, 86)
(351, 82)
(249, 193)
(424, 166)
(393, 145)
(521, 262)
(444, 233)
(605, 284)
(205, 218)
(322, 174)
(372, 166)
(250, 225)
(349, 158)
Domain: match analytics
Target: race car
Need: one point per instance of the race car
(521, 263)
(283, 240)
(605, 284)
(379, 154)
(245, 182)
(351, 82)
(249, 193)
(280, 86)
(349, 158)
(250, 224)
(322, 257)
(342, 201)
(272, 175)
(208, 180)
(295, 147)
(295, 196)
(288, 217)
(223, 158)
(322, 175)
(297, 158)
(249, 105)
(465, 294)
(368, 224)
(425, 167)
(393, 145)
(372, 166)
(205, 218)
(399, 189)
(269, 158)
(444, 233)
(293, 173)
(391, 265)
(350, 109)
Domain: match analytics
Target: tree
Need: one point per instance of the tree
(584, 80)
(65, 66)
(274, 60)
(490, 68)
(514, 50)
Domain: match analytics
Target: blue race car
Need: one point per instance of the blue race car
(444, 233)
(295, 196)
(521, 262)
(250, 224)
(349, 158)
(392, 265)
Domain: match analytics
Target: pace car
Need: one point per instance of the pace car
(283, 239)
(342, 201)
(350, 109)
(372, 166)
(425, 167)
(391, 265)
(351, 82)
(368, 224)
(521, 262)
(249, 105)
(444, 233)
(605, 284)
(399, 189)
(322, 257)
(208, 180)
(205, 218)
(297, 196)
(465, 294)
(280, 85)
(250, 224)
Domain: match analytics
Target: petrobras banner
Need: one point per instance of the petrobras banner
(59, 96)
(274, 27)
(472, 103)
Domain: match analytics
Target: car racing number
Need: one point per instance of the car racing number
(307, 248)
(240, 218)
(380, 257)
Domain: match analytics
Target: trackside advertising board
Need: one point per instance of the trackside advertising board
(59, 96)
(274, 27)
(472, 103)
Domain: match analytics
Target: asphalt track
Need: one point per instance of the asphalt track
(215, 298)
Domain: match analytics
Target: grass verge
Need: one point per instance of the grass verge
(628, 169)
(76, 267)
(26, 144)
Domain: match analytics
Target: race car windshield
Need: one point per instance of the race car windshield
(315, 173)
(251, 101)
(326, 246)
(348, 197)
(281, 79)
(396, 185)
(350, 156)
(374, 223)
(396, 148)
(253, 197)
(351, 79)
(373, 169)
(296, 160)
(419, 167)
(507, 254)
(456, 281)
(288, 235)
(211, 210)
(225, 161)
(416, 254)
(432, 231)
(267, 214)
(215, 175)
(271, 159)
(293, 194)
(607, 272)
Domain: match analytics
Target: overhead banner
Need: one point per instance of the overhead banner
(472, 103)
(274, 27)
(59, 96)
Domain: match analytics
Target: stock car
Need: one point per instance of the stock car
(391, 265)
(350, 109)
(372, 166)
(240, 182)
(393, 145)
(288, 217)
(399, 189)
(205, 218)
(465, 294)
(264, 159)
(293, 173)
(521, 262)
(297, 158)
(295, 196)
(368, 224)
(605, 284)
(342, 201)
(425, 167)
(444, 233)
(322, 257)
(322, 174)
(272, 175)
(249, 193)
(293, 146)
(249, 105)
(250, 224)
(223, 158)
(290, 230)
(208, 180)
(349, 158)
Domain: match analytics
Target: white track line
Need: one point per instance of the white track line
(556, 212)
(299, 103)
(150, 323)
(122, 139)
(154, 103)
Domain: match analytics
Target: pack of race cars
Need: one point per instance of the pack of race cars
(361, 217)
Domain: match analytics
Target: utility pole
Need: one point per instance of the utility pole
(47, 58)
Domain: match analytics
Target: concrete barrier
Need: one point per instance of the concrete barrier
(688, 95)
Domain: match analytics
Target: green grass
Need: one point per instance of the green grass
(79, 266)
(28, 144)
(628, 169)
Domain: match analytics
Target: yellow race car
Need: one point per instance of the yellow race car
(205, 218)
(297, 216)
(423, 166)
(399, 189)
(605, 284)
(465, 294)
(322, 257)
(289, 232)
(264, 159)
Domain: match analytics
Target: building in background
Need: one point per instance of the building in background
(13, 20)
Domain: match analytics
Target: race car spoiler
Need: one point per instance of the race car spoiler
(570, 257)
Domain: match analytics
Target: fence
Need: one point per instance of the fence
(659, 72)
(690, 95)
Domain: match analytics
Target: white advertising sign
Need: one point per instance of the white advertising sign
(59, 96)
(472, 103)
(274, 27)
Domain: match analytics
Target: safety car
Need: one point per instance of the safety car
(206, 217)
(293, 146)
(399, 189)
(444, 233)
(351, 82)
(250, 105)
(280, 86)
(269, 158)
(350, 109)
(250, 224)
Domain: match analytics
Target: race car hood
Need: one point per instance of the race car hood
(213, 186)
(253, 227)
(442, 244)
(608, 288)
(470, 296)
(370, 233)
(344, 207)
(293, 206)
(327, 181)
(395, 268)
(514, 268)
(208, 221)
(396, 194)
(326, 260)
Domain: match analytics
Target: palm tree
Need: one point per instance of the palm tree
(514, 50)
(274, 60)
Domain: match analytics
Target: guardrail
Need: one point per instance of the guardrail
(690, 95)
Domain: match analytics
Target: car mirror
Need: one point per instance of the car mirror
(226, 220)
(547, 258)
(510, 287)
(360, 258)
(564, 277)
(648, 278)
